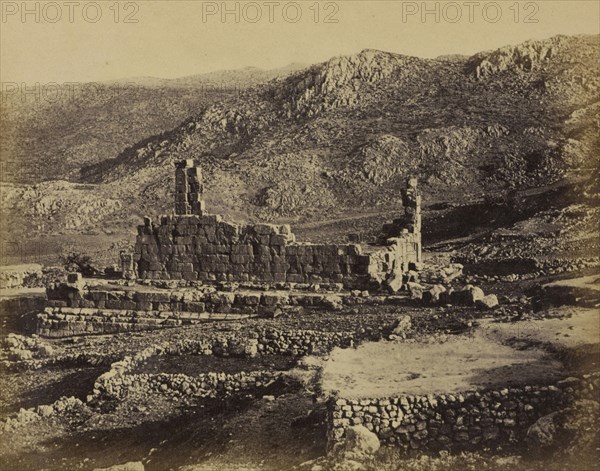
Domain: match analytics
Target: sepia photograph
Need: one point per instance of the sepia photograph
(310, 235)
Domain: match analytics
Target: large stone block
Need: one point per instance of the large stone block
(278, 239)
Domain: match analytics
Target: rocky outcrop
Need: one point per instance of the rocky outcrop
(338, 82)
(382, 159)
(572, 429)
(59, 203)
(526, 57)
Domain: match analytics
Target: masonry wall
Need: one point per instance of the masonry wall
(457, 421)
(407, 228)
(206, 248)
(213, 385)
(196, 246)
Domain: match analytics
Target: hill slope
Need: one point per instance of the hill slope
(55, 129)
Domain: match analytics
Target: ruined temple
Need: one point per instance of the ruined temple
(195, 245)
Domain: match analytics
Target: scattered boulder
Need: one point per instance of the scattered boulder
(571, 430)
(401, 327)
(438, 294)
(542, 432)
(446, 296)
(415, 290)
(469, 295)
(18, 354)
(333, 302)
(21, 348)
(130, 466)
(359, 444)
(487, 302)
(45, 351)
(452, 271)
(432, 295)
(270, 312)
(394, 283)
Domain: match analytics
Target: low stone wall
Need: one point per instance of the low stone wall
(188, 300)
(457, 421)
(120, 381)
(211, 385)
(67, 322)
(266, 341)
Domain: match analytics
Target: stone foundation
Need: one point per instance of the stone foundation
(199, 252)
(72, 309)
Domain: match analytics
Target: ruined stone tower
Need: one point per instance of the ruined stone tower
(196, 246)
(407, 228)
(189, 188)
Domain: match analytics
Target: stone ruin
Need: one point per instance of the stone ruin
(193, 266)
(195, 245)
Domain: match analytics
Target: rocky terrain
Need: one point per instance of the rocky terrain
(505, 145)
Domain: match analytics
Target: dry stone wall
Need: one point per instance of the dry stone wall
(457, 421)
(267, 341)
(212, 385)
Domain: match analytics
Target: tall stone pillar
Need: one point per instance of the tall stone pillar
(188, 188)
(412, 213)
(412, 206)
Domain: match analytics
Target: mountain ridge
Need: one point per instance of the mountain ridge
(249, 75)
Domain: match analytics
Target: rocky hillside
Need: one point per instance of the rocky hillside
(54, 129)
(339, 138)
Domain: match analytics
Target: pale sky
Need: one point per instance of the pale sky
(60, 42)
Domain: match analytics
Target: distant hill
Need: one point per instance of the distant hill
(518, 116)
(246, 77)
(51, 135)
